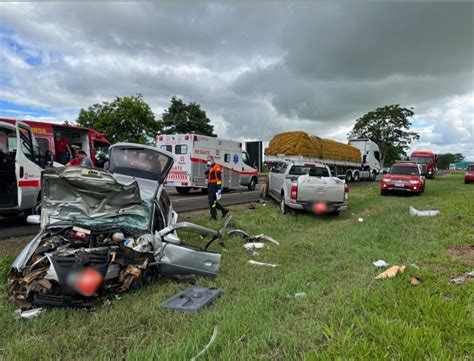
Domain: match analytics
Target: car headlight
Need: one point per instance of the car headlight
(385, 180)
(414, 182)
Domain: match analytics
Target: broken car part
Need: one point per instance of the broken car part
(430, 213)
(256, 263)
(192, 298)
(380, 263)
(391, 272)
(249, 238)
(211, 341)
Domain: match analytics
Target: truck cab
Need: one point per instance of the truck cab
(21, 163)
(428, 162)
(370, 155)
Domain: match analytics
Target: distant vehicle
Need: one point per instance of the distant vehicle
(469, 175)
(428, 161)
(191, 152)
(367, 167)
(95, 144)
(300, 186)
(21, 163)
(403, 178)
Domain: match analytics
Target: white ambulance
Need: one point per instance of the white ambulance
(191, 152)
(20, 169)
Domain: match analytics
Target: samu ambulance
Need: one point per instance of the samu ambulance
(191, 152)
(21, 164)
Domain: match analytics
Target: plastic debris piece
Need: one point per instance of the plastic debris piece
(414, 266)
(253, 245)
(381, 263)
(431, 213)
(415, 281)
(192, 298)
(213, 338)
(391, 272)
(29, 314)
(470, 274)
(300, 294)
(248, 237)
(255, 253)
(251, 261)
(458, 280)
(361, 220)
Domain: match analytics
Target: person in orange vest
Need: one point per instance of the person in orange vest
(214, 184)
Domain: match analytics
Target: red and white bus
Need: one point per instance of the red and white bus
(191, 152)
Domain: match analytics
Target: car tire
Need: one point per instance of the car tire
(383, 192)
(336, 213)
(253, 183)
(284, 208)
(183, 190)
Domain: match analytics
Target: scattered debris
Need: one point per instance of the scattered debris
(415, 281)
(391, 272)
(29, 314)
(213, 338)
(251, 206)
(253, 245)
(458, 280)
(414, 266)
(192, 298)
(300, 294)
(361, 220)
(245, 235)
(192, 278)
(255, 253)
(251, 261)
(380, 263)
(470, 274)
(430, 213)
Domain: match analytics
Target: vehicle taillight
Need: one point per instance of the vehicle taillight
(88, 281)
(346, 188)
(294, 192)
(160, 138)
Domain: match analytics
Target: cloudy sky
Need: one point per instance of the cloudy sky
(256, 68)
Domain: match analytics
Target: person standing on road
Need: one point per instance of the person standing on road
(85, 160)
(214, 184)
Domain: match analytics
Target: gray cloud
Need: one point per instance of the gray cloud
(256, 68)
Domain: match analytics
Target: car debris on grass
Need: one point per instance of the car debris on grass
(429, 213)
(256, 263)
(391, 272)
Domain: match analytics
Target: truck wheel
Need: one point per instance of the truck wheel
(253, 183)
(348, 177)
(356, 176)
(374, 175)
(183, 190)
(284, 208)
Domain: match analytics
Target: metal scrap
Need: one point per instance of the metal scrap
(256, 263)
(430, 213)
(213, 338)
(253, 245)
(29, 314)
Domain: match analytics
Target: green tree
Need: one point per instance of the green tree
(444, 160)
(123, 119)
(387, 126)
(182, 118)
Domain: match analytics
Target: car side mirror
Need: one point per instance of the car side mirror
(33, 219)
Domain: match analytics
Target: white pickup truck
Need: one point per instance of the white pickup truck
(300, 186)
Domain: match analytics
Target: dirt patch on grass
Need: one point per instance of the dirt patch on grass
(462, 253)
(13, 245)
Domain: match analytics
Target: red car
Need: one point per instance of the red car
(469, 175)
(403, 178)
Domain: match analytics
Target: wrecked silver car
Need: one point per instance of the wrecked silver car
(106, 232)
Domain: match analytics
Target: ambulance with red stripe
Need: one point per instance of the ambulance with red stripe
(191, 152)
(21, 163)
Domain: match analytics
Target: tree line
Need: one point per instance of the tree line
(131, 119)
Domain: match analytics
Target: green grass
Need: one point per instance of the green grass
(345, 314)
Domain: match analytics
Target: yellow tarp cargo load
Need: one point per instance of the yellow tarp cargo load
(300, 143)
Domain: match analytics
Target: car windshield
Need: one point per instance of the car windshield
(319, 172)
(471, 167)
(404, 170)
(421, 160)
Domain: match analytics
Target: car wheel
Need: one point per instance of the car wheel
(183, 190)
(252, 184)
(284, 208)
(336, 213)
(383, 192)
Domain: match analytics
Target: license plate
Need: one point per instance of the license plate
(400, 185)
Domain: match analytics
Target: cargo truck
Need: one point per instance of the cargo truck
(356, 161)
(428, 162)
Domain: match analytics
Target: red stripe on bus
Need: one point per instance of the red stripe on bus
(197, 160)
(28, 183)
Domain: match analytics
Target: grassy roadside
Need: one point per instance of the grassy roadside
(344, 314)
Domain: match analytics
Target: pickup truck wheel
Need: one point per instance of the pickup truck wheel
(284, 208)
(252, 184)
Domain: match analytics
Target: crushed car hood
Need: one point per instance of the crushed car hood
(89, 195)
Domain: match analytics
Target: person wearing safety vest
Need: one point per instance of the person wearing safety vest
(214, 185)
